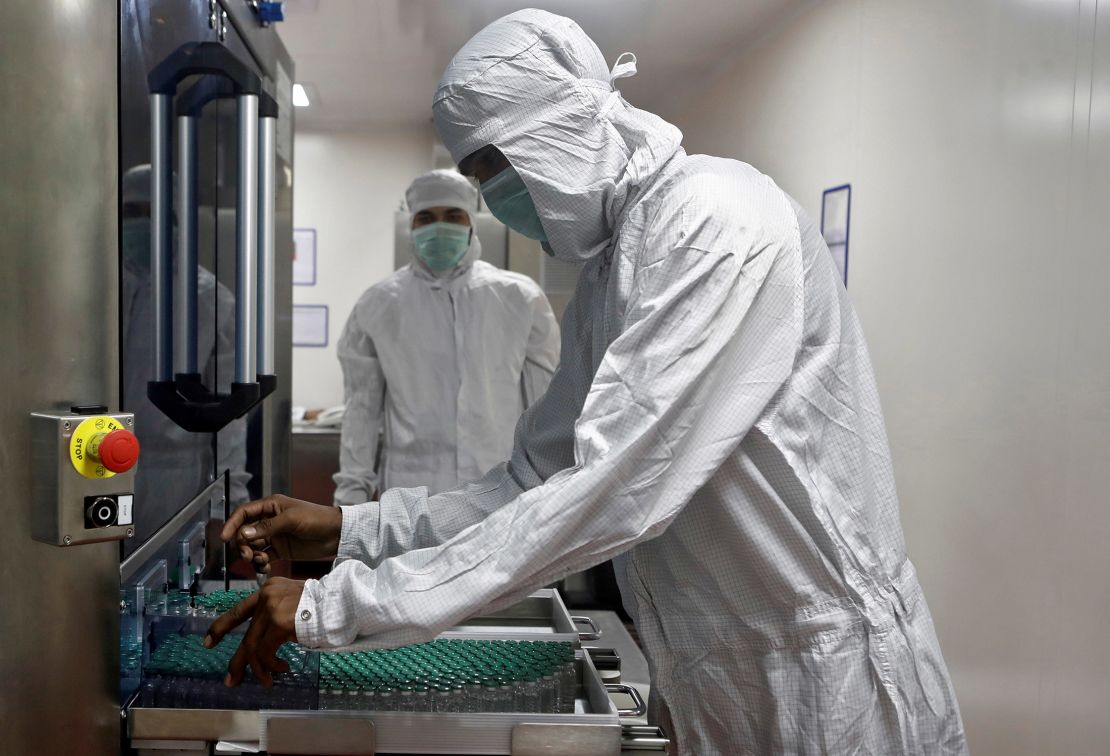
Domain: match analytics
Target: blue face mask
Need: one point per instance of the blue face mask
(509, 201)
(135, 242)
(441, 245)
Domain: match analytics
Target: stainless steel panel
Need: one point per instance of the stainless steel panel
(58, 513)
(566, 740)
(323, 734)
(59, 340)
(192, 724)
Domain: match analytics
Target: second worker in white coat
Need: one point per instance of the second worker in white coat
(440, 358)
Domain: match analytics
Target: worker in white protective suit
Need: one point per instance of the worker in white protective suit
(714, 424)
(442, 357)
(176, 464)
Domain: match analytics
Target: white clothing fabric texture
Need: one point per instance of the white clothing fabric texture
(442, 366)
(714, 424)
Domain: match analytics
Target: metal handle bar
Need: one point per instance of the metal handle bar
(640, 707)
(176, 388)
(638, 738)
(595, 631)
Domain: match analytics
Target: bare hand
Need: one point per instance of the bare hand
(272, 611)
(279, 527)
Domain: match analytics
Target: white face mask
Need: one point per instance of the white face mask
(441, 245)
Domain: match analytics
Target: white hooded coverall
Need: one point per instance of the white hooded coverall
(442, 365)
(714, 424)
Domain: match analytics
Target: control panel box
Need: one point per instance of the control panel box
(83, 463)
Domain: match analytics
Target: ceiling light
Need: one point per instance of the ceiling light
(300, 97)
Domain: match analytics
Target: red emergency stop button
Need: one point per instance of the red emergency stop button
(118, 450)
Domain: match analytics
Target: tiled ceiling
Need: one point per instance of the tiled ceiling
(375, 63)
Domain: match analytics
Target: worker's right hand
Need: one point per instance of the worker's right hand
(278, 527)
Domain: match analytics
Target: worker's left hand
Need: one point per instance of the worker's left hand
(272, 611)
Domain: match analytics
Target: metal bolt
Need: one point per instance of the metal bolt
(66, 425)
(223, 25)
(67, 540)
(130, 421)
(130, 532)
(212, 14)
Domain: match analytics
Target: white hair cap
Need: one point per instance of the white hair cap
(441, 188)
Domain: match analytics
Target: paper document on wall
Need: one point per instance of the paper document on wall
(310, 325)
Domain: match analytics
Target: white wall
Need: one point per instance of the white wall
(346, 186)
(962, 126)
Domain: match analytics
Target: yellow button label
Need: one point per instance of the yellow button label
(84, 462)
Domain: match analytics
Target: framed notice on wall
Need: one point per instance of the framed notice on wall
(836, 213)
(310, 325)
(304, 257)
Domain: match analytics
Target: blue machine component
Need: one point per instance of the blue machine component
(270, 11)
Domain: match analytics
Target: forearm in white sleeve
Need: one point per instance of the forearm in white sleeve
(709, 339)
(407, 518)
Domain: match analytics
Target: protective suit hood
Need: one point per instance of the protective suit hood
(535, 86)
(441, 188)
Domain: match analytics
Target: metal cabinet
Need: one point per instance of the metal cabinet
(75, 326)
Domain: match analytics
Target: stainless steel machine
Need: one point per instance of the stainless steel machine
(98, 465)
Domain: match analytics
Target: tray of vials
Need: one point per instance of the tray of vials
(540, 614)
(466, 692)
(183, 674)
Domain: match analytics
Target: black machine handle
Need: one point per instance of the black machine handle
(177, 389)
(212, 87)
(196, 58)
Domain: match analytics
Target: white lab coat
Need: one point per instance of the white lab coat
(443, 367)
(714, 423)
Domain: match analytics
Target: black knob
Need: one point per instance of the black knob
(101, 512)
